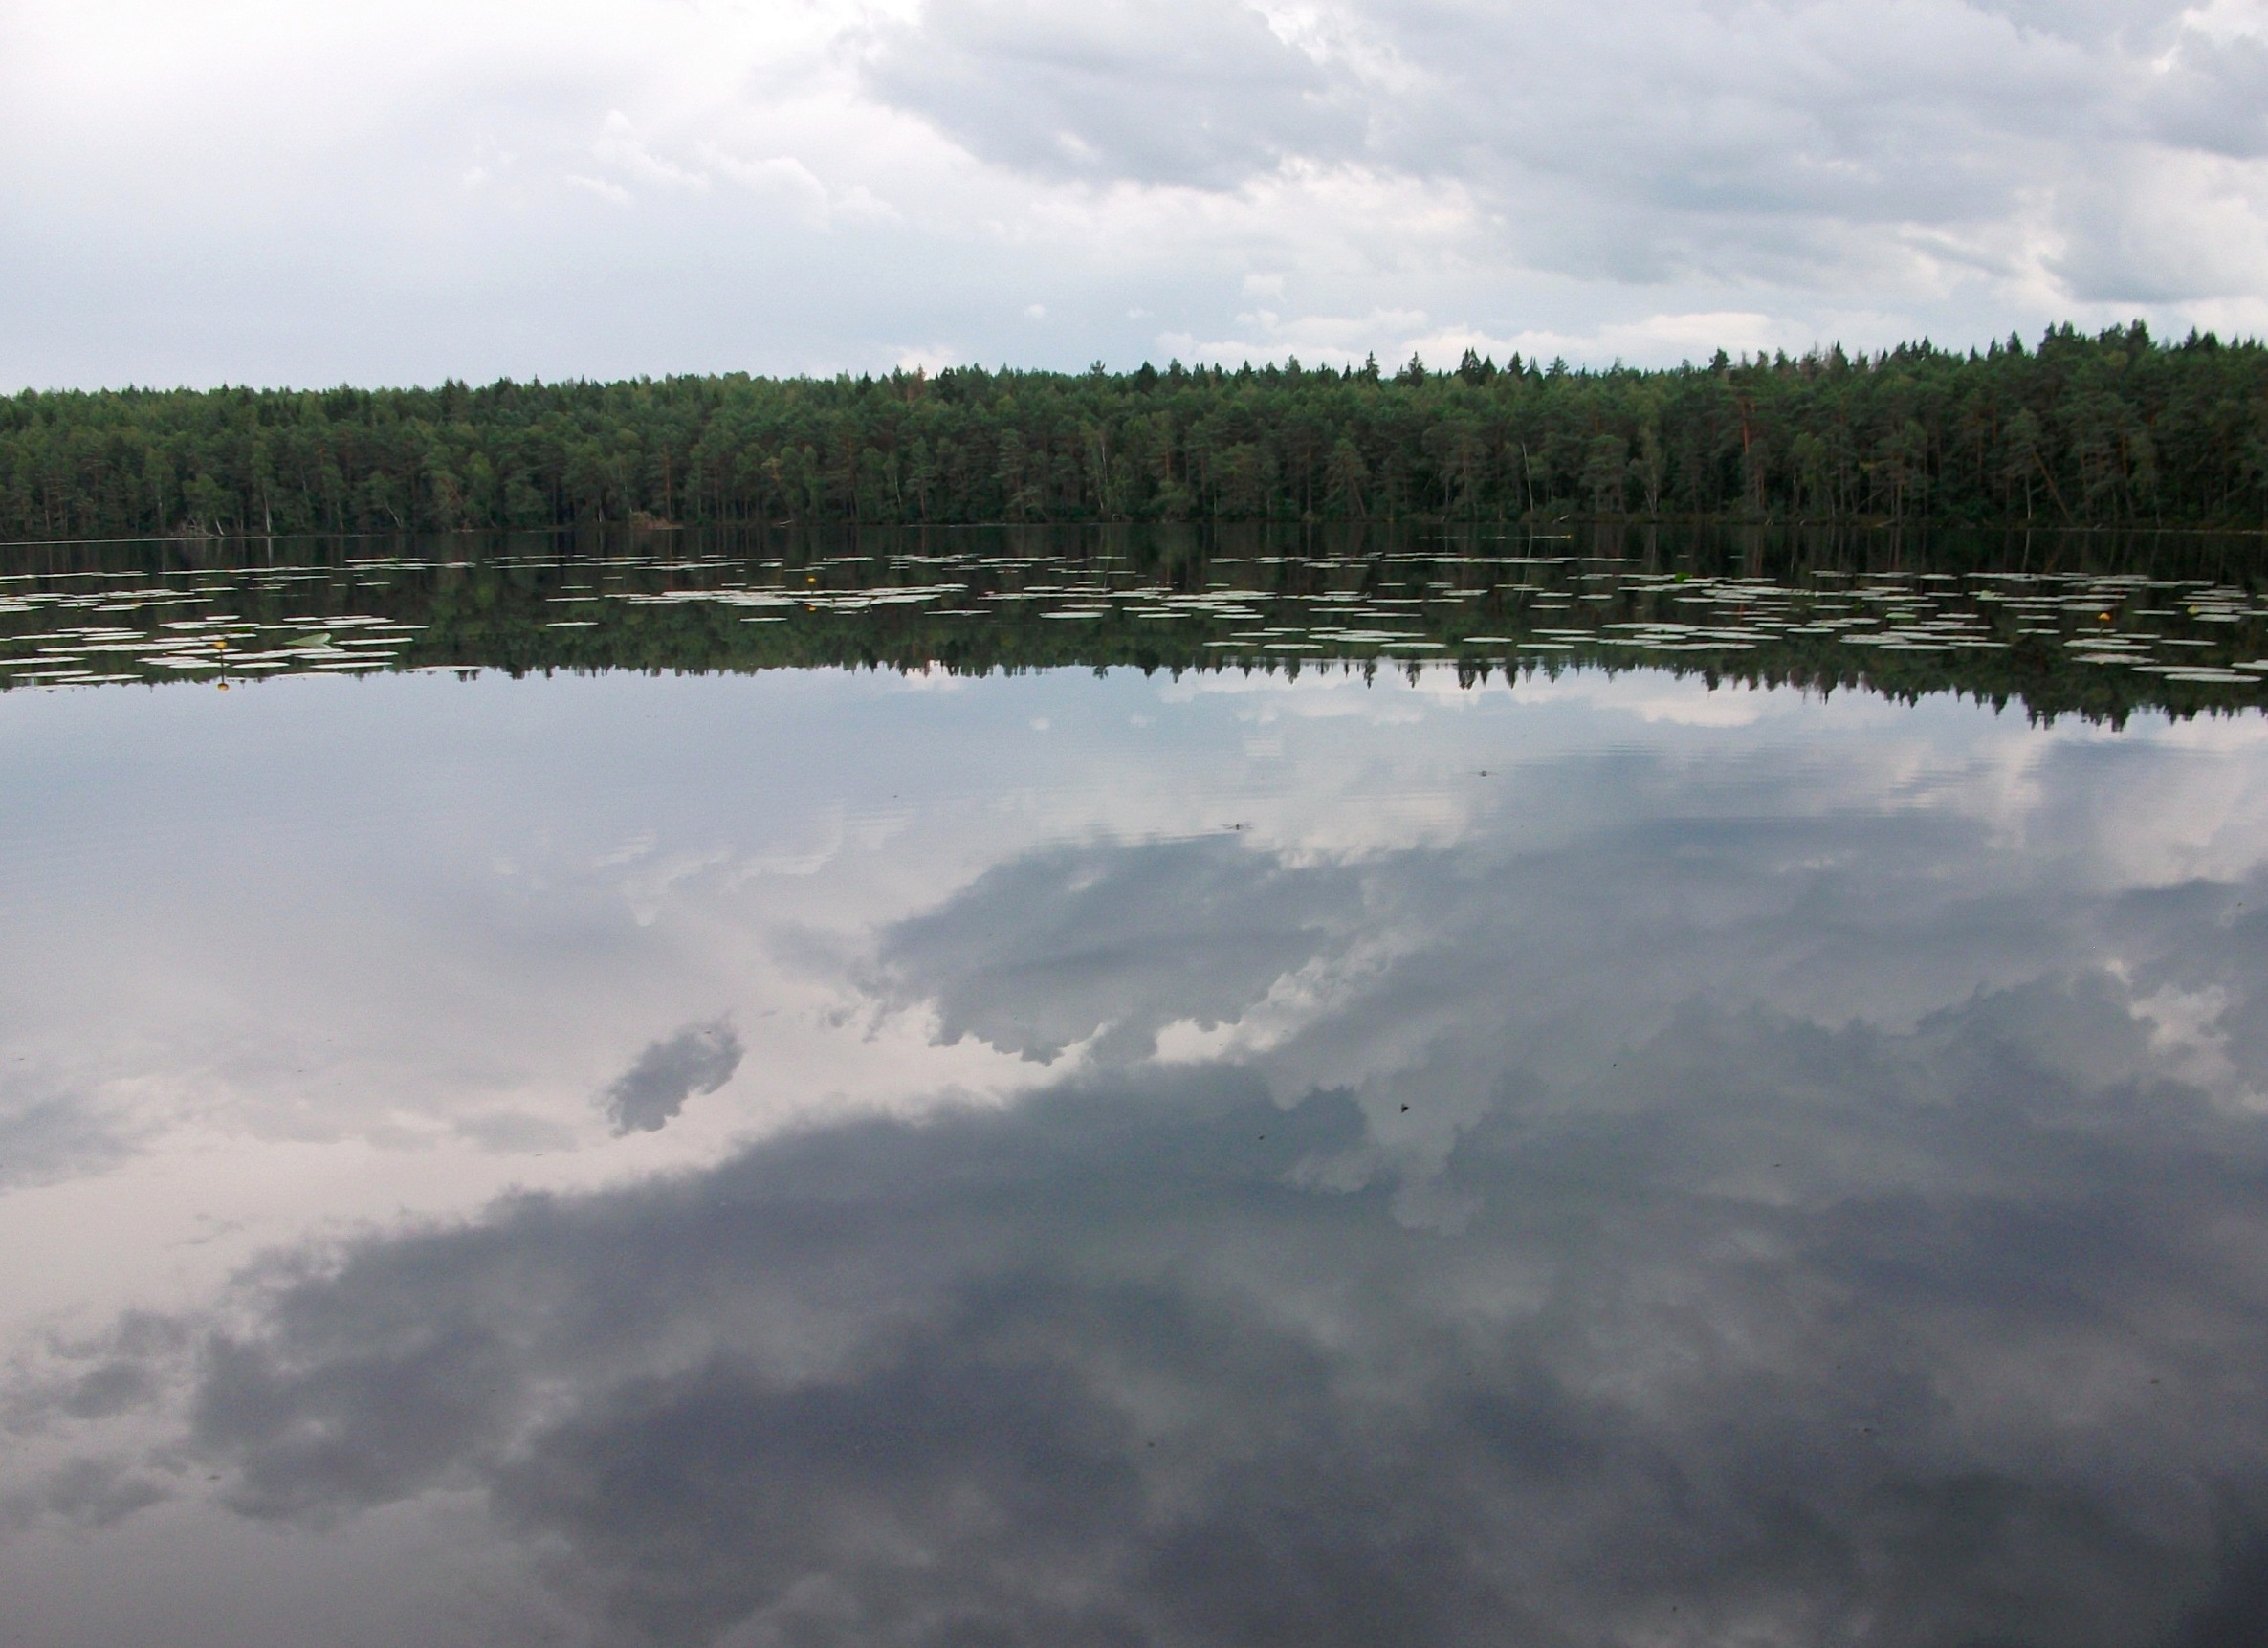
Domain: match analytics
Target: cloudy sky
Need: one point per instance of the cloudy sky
(277, 191)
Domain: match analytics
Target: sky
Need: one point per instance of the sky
(279, 192)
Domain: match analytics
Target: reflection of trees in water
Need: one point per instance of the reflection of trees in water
(497, 602)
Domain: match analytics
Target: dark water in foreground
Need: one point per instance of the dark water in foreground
(1630, 1148)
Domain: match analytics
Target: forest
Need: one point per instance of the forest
(2116, 429)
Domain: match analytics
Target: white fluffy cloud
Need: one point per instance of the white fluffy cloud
(252, 190)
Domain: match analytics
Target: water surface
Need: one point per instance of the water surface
(655, 1149)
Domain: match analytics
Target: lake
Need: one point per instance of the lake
(1029, 1086)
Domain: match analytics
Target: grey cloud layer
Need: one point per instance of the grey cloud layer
(602, 191)
(1664, 142)
(1181, 92)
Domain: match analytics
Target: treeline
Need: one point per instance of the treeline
(2112, 429)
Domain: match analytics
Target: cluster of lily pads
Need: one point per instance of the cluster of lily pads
(2182, 629)
(100, 627)
(111, 630)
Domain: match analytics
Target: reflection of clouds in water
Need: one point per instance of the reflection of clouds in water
(1806, 1172)
(2182, 803)
(1430, 984)
(1046, 950)
(53, 1136)
(1653, 696)
(698, 1058)
(1760, 1317)
(1804, 1333)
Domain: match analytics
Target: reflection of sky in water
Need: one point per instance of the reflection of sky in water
(1069, 1160)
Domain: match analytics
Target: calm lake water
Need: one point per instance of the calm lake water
(1001, 1088)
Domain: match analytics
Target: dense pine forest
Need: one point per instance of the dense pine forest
(2112, 429)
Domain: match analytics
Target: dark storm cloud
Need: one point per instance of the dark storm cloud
(698, 1058)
